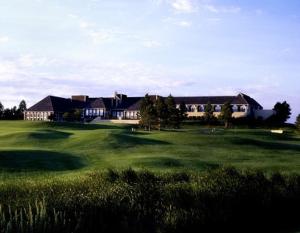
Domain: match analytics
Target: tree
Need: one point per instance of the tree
(147, 113)
(182, 111)
(51, 117)
(22, 108)
(208, 113)
(173, 119)
(67, 116)
(77, 114)
(1, 110)
(226, 113)
(298, 122)
(282, 112)
(161, 112)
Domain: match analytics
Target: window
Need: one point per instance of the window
(218, 108)
(234, 108)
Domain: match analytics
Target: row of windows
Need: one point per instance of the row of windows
(217, 108)
(37, 115)
(94, 112)
(126, 115)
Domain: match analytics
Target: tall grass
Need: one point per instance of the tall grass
(129, 201)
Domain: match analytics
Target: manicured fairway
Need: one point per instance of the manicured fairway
(30, 149)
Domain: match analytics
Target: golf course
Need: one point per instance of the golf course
(38, 149)
(71, 177)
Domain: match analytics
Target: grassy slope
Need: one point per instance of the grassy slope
(44, 149)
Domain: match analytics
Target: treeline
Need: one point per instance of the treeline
(13, 113)
(157, 112)
(222, 200)
(282, 112)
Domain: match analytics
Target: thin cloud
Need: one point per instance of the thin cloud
(185, 24)
(152, 44)
(221, 9)
(183, 6)
(4, 39)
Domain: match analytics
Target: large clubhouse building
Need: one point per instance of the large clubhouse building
(122, 107)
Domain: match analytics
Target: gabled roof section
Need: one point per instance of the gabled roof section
(44, 105)
(131, 103)
(56, 104)
(95, 103)
(250, 100)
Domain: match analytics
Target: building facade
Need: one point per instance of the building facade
(122, 107)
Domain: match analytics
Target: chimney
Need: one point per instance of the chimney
(82, 98)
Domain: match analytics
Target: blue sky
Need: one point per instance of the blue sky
(183, 47)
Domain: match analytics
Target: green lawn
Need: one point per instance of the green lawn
(30, 149)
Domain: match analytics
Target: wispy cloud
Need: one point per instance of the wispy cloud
(4, 39)
(183, 6)
(221, 9)
(92, 78)
(184, 23)
(178, 22)
(152, 44)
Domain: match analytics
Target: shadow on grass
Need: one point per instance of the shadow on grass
(38, 160)
(124, 140)
(159, 162)
(166, 162)
(265, 144)
(81, 126)
(49, 135)
(204, 165)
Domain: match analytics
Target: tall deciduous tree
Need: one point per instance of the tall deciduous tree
(161, 112)
(208, 113)
(147, 112)
(226, 113)
(22, 108)
(173, 113)
(282, 112)
(182, 111)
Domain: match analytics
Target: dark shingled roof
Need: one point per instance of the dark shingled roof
(250, 100)
(130, 103)
(205, 99)
(95, 103)
(56, 104)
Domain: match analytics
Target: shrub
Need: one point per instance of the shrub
(224, 199)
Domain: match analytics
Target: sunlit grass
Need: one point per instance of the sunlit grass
(39, 150)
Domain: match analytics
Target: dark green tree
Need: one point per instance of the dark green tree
(51, 117)
(22, 108)
(182, 111)
(1, 110)
(282, 112)
(226, 114)
(67, 116)
(161, 112)
(77, 115)
(298, 122)
(208, 113)
(148, 114)
(173, 119)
